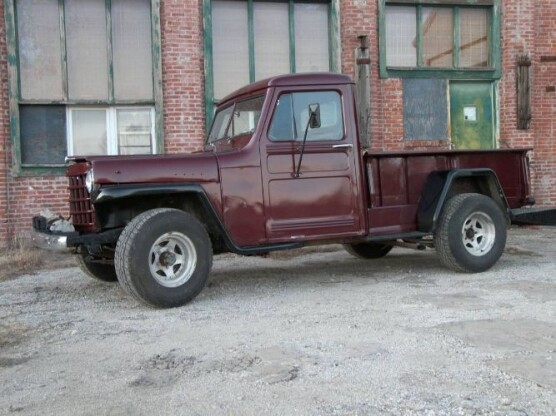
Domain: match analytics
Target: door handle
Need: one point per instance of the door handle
(343, 146)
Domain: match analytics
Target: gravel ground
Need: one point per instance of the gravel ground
(312, 332)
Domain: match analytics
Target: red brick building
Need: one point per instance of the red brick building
(143, 76)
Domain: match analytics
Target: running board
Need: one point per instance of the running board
(534, 216)
(399, 236)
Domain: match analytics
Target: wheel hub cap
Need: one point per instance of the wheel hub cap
(478, 233)
(172, 259)
(168, 259)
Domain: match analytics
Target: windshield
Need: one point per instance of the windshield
(236, 120)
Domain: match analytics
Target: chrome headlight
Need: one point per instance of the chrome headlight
(89, 180)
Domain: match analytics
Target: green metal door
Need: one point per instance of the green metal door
(472, 115)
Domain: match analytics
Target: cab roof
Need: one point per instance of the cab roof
(289, 80)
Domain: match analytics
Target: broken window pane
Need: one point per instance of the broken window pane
(401, 36)
(40, 55)
(438, 37)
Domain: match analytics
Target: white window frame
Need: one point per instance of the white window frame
(112, 142)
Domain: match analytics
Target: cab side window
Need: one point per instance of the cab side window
(291, 116)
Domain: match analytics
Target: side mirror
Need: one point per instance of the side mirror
(314, 116)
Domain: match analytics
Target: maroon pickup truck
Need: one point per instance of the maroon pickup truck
(282, 167)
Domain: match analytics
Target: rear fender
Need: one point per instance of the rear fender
(442, 185)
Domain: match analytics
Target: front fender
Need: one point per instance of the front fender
(109, 194)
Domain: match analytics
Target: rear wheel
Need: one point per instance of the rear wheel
(100, 271)
(163, 257)
(368, 250)
(471, 234)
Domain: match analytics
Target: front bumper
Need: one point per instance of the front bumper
(50, 241)
(71, 241)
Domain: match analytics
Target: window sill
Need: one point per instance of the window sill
(25, 171)
(397, 72)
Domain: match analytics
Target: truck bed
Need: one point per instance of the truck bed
(395, 181)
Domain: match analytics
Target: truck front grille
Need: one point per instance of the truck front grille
(81, 208)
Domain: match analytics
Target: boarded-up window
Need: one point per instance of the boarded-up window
(425, 109)
(43, 134)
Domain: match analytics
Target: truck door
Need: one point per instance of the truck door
(324, 200)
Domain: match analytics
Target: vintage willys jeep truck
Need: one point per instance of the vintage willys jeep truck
(282, 167)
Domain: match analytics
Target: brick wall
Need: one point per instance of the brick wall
(527, 27)
(183, 75)
(544, 101)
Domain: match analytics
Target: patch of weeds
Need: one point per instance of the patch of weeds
(22, 258)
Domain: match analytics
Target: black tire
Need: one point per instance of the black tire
(368, 250)
(163, 257)
(99, 271)
(471, 233)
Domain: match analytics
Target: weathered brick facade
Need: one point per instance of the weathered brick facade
(527, 27)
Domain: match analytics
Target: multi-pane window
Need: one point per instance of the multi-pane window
(110, 130)
(253, 40)
(86, 74)
(455, 37)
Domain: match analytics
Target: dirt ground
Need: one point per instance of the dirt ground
(310, 333)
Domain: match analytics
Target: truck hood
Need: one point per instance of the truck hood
(197, 168)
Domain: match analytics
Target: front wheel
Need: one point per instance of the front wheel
(471, 234)
(104, 272)
(163, 257)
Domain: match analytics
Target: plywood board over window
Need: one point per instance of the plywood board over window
(425, 109)
(95, 67)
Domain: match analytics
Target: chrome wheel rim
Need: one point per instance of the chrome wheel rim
(172, 259)
(478, 234)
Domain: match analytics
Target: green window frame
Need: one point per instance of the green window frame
(334, 45)
(492, 71)
(15, 99)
